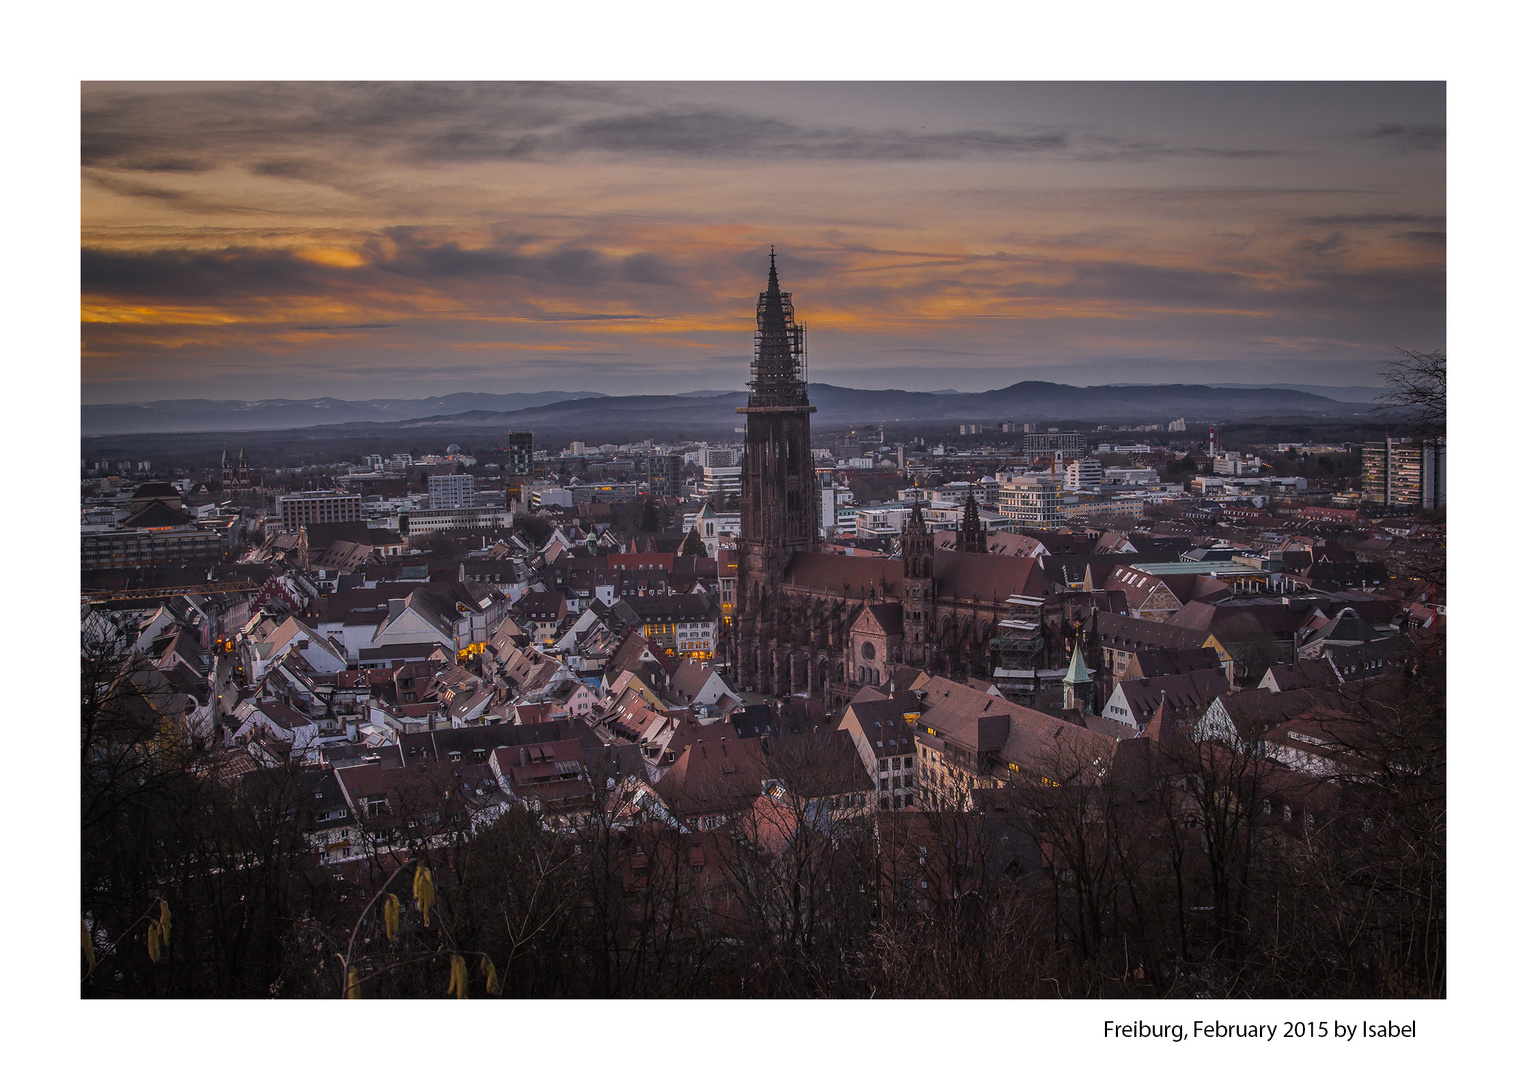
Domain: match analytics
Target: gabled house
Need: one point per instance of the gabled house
(1134, 701)
(698, 685)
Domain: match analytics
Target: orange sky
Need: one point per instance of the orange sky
(358, 241)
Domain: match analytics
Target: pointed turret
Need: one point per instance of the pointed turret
(1078, 682)
(972, 533)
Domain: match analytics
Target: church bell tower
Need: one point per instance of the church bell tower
(780, 498)
(917, 586)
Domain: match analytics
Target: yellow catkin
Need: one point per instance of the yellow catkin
(492, 975)
(424, 891)
(458, 984)
(164, 922)
(391, 910)
(353, 984)
(153, 942)
(88, 946)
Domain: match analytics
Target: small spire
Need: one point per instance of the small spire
(1077, 674)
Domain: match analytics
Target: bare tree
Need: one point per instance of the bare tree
(1417, 391)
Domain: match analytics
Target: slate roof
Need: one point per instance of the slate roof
(1155, 662)
(1133, 635)
(1195, 691)
(156, 515)
(1300, 676)
(886, 617)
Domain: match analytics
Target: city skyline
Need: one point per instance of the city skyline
(362, 241)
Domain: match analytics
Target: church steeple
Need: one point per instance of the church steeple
(916, 545)
(779, 349)
(1078, 682)
(916, 585)
(781, 500)
(972, 532)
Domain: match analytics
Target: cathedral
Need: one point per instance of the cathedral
(820, 624)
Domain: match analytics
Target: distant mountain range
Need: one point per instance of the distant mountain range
(589, 414)
(275, 414)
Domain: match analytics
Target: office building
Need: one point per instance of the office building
(451, 491)
(318, 508)
(1405, 473)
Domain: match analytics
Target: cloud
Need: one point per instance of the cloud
(1403, 138)
(435, 123)
(165, 164)
(1372, 219)
(179, 275)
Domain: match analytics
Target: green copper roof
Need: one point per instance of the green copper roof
(1077, 672)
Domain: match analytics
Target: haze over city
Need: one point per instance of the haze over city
(361, 241)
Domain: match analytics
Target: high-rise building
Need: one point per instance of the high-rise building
(663, 475)
(451, 491)
(1405, 473)
(521, 454)
(781, 503)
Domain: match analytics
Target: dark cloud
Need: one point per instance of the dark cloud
(350, 326)
(1407, 137)
(1356, 220)
(1323, 247)
(165, 164)
(236, 272)
(455, 122)
(182, 200)
(285, 168)
(449, 260)
(648, 270)
(1142, 283)
(1424, 236)
(229, 274)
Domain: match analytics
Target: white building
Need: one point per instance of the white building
(1083, 474)
(835, 500)
(719, 481)
(451, 492)
(1031, 499)
(318, 508)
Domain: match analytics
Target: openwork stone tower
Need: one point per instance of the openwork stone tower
(780, 499)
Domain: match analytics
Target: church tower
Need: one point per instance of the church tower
(917, 586)
(971, 535)
(1078, 682)
(780, 498)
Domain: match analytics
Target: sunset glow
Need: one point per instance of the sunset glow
(403, 240)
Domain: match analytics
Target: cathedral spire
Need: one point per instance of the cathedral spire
(972, 533)
(779, 349)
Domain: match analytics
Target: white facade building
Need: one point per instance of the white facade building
(451, 492)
